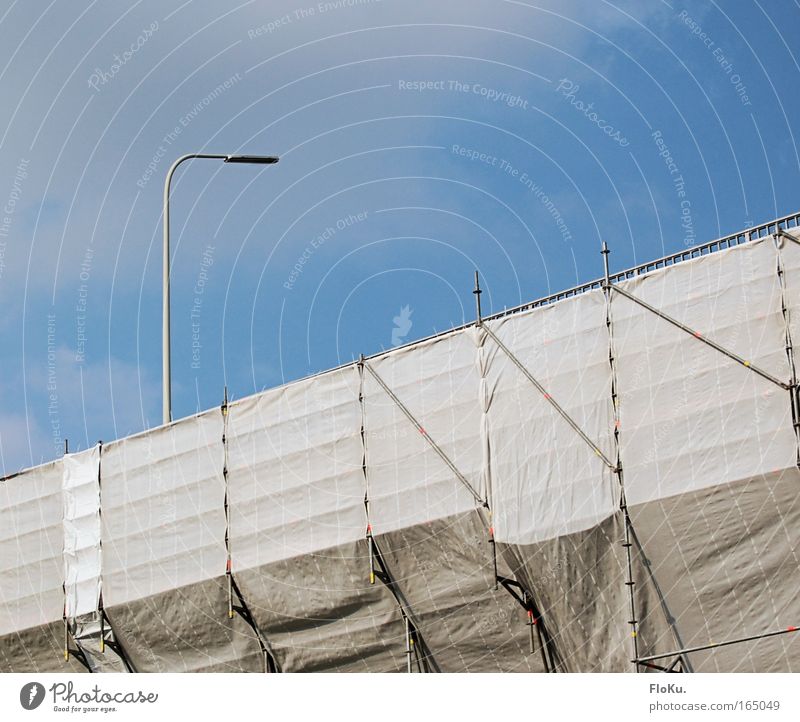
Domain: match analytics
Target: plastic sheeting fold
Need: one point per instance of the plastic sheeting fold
(298, 526)
(81, 486)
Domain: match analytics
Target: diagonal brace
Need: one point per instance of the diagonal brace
(577, 429)
(425, 434)
(700, 337)
(716, 645)
(270, 663)
(414, 641)
(783, 234)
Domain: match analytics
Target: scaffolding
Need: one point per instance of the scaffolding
(356, 520)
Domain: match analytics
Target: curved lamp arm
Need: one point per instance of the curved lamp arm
(165, 328)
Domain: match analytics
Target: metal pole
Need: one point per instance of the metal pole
(629, 583)
(166, 386)
(425, 434)
(716, 645)
(696, 334)
(527, 374)
(605, 253)
(477, 291)
(408, 646)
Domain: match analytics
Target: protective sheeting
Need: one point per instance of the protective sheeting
(39, 649)
(95, 640)
(295, 473)
(164, 554)
(445, 574)
(31, 541)
(186, 630)
(438, 381)
(163, 509)
(726, 559)
(81, 485)
(546, 481)
(319, 612)
(690, 416)
(579, 584)
(789, 251)
(407, 447)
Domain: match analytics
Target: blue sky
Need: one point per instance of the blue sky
(419, 141)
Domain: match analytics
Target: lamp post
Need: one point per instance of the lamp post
(165, 348)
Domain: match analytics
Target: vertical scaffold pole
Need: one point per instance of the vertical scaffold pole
(370, 540)
(778, 237)
(100, 602)
(64, 587)
(228, 565)
(629, 583)
(494, 549)
(604, 251)
(478, 321)
(477, 291)
(371, 545)
(408, 645)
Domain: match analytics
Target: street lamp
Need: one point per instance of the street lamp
(165, 349)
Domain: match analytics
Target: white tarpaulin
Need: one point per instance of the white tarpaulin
(295, 470)
(690, 416)
(790, 261)
(31, 541)
(163, 509)
(546, 480)
(438, 381)
(81, 487)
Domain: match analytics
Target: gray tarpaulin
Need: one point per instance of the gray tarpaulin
(444, 571)
(186, 630)
(319, 612)
(709, 452)
(298, 528)
(726, 559)
(440, 560)
(556, 503)
(38, 649)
